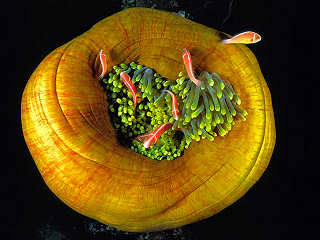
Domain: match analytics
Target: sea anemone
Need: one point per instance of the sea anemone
(70, 124)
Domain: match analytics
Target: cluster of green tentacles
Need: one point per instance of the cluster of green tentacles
(206, 111)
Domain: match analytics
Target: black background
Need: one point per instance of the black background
(272, 209)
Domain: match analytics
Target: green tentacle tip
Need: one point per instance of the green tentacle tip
(197, 112)
(123, 66)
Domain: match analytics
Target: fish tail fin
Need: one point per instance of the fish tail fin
(225, 41)
(101, 76)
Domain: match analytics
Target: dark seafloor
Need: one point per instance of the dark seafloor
(272, 208)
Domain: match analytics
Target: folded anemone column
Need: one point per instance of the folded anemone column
(68, 130)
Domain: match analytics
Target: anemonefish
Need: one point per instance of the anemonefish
(244, 38)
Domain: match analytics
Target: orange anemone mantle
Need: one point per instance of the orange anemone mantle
(68, 131)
